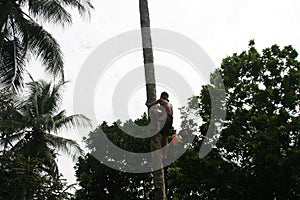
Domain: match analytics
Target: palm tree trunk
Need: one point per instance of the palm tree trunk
(158, 175)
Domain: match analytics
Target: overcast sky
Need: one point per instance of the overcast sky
(220, 27)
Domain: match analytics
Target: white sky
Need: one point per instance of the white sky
(220, 27)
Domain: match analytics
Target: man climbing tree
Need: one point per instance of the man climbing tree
(167, 107)
(158, 175)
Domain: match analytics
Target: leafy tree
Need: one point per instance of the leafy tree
(22, 178)
(257, 155)
(22, 35)
(98, 181)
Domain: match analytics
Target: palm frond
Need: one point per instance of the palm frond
(83, 6)
(53, 99)
(31, 105)
(20, 34)
(12, 64)
(69, 122)
(67, 146)
(12, 51)
(43, 45)
(46, 97)
(50, 11)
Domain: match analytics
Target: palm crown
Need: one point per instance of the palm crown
(36, 119)
(20, 34)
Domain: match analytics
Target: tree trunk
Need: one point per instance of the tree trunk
(158, 175)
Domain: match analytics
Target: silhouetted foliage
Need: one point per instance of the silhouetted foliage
(258, 154)
(98, 181)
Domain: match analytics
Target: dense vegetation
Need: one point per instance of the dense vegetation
(31, 117)
(257, 155)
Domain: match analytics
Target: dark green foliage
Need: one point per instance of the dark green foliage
(29, 145)
(22, 35)
(22, 178)
(99, 181)
(258, 154)
(28, 124)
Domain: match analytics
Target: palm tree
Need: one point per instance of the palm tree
(21, 34)
(38, 119)
(158, 175)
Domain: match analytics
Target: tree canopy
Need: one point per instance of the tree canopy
(98, 181)
(257, 155)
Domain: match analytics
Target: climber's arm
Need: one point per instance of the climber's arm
(151, 104)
